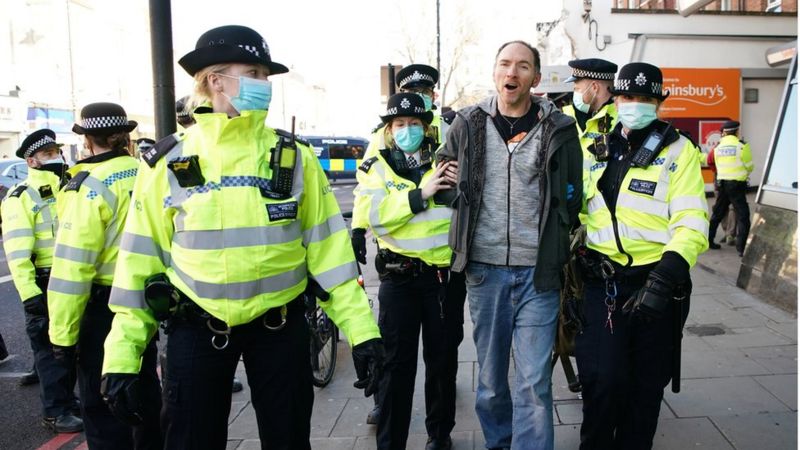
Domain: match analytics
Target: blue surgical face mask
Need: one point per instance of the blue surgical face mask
(253, 94)
(428, 101)
(577, 100)
(409, 138)
(53, 161)
(635, 115)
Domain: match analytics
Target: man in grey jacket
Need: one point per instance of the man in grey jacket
(517, 194)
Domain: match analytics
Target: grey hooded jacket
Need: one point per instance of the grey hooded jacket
(468, 141)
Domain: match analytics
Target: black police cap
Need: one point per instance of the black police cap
(103, 118)
(593, 68)
(417, 75)
(230, 44)
(406, 104)
(730, 125)
(641, 79)
(38, 140)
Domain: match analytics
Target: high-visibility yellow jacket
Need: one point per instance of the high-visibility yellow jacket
(29, 228)
(92, 209)
(658, 209)
(436, 130)
(588, 135)
(225, 243)
(400, 220)
(733, 159)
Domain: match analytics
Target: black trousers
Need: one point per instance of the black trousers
(406, 303)
(56, 379)
(197, 394)
(735, 193)
(623, 374)
(103, 430)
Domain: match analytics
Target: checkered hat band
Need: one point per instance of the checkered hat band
(625, 85)
(93, 123)
(416, 76)
(39, 144)
(580, 73)
(183, 114)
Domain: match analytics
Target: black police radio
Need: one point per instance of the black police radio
(650, 149)
(282, 162)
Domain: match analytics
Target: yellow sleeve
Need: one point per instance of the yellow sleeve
(18, 242)
(330, 258)
(747, 158)
(79, 242)
(386, 210)
(144, 251)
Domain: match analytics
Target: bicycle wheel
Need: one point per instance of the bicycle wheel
(323, 346)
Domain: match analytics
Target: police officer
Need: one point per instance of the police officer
(592, 105)
(231, 218)
(647, 223)
(92, 210)
(419, 79)
(734, 163)
(417, 288)
(29, 227)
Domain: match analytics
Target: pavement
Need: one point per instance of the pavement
(739, 387)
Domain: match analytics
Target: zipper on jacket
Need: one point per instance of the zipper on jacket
(508, 211)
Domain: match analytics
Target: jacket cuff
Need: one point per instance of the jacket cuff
(415, 201)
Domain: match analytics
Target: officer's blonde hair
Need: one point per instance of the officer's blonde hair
(202, 90)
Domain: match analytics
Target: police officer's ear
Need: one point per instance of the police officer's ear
(215, 82)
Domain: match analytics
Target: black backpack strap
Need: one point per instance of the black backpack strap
(76, 181)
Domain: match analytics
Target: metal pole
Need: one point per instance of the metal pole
(163, 77)
(390, 78)
(438, 47)
(71, 65)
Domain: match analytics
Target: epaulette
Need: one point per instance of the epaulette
(367, 164)
(689, 137)
(18, 191)
(288, 135)
(76, 181)
(159, 149)
(377, 127)
(449, 117)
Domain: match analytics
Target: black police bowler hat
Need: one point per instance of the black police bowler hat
(417, 75)
(407, 104)
(592, 68)
(230, 44)
(38, 140)
(103, 119)
(730, 125)
(640, 78)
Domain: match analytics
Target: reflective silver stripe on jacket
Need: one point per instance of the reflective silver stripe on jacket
(18, 233)
(128, 298)
(693, 223)
(674, 152)
(643, 204)
(237, 237)
(606, 234)
(44, 243)
(75, 254)
(336, 276)
(69, 287)
(43, 206)
(244, 289)
(19, 254)
(679, 204)
(418, 244)
(143, 245)
(322, 231)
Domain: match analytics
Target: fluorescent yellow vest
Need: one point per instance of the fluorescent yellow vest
(733, 159)
(659, 208)
(385, 197)
(29, 228)
(87, 243)
(235, 252)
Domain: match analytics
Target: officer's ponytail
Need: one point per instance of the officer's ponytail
(118, 142)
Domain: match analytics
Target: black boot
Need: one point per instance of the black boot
(237, 385)
(29, 378)
(66, 423)
(374, 415)
(439, 444)
(713, 245)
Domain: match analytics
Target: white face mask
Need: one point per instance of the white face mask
(58, 160)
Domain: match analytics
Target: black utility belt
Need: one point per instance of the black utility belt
(599, 267)
(274, 319)
(389, 262)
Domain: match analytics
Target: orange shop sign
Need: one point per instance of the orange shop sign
(702, 93)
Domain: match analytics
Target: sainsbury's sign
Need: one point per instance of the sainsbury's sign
(702, 93)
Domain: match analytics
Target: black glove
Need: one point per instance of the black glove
(651, 301)
(36, 305)
(65, 355)
(359, 244)
(121, 392)
(368, 359)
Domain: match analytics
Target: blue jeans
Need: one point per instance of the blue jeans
(506, 309)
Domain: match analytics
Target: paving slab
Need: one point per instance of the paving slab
(325, 414)
(783, 387)
(244, 426)
(719, 363)
(333, 443)
(776, 359)
(747, 337)
(722, 396)
(772, 431)
(699, 432)
(352, 421)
